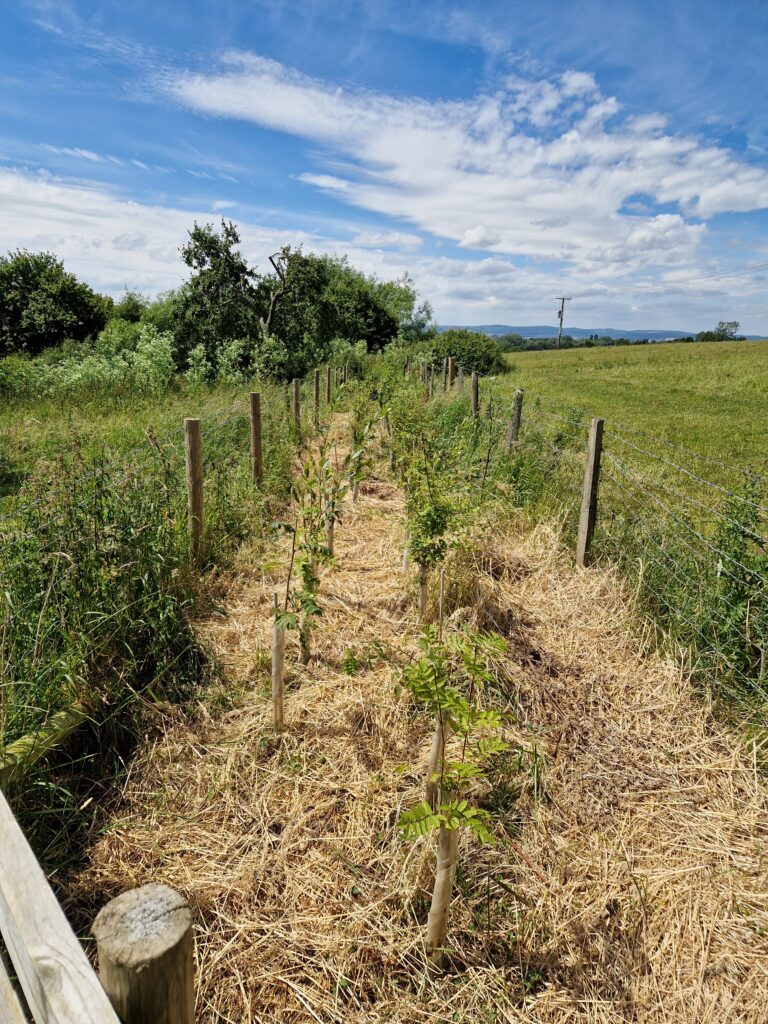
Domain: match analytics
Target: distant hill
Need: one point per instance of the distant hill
(539, 331)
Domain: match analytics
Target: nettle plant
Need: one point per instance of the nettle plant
(450, 678)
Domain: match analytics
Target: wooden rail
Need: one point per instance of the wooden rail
(58, 983)
(145, 949)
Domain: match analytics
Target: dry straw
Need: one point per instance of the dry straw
(631, 877)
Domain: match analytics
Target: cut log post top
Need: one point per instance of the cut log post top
(144, 942)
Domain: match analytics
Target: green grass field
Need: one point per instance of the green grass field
(709, 397)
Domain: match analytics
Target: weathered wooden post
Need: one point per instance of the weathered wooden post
(327, 385)
(278, 672)
(451, 371)
(257, 468)
(589, 492)
(145, 946)
(425, 375)
(193, 454)
(316, 395)
(423, 580)
(475, 395)
(445, 373)
(461, 378)
(513, 428)
(346, 373)
(297, 403)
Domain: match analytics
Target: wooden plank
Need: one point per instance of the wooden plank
(24, 752)
(588, 514)
(10, 1007)
(58, 983)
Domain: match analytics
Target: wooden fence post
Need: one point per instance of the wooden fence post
(278, 671)
(589, 492)
(316, 395)
(193, 453)
(257, 466)
(425, 375)
(297, 403)
(327, 385)
(475, 395)
(145, 946)
(451, 371)
(514, 422)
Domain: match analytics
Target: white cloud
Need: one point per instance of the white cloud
(113, 243)
(76, 153)
(387, 240)
(533, 168)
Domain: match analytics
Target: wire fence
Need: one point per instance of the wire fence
(96, 573)
(689, 531)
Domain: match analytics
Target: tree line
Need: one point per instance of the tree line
(281, 323)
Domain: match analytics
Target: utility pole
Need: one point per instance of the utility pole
(562, 299)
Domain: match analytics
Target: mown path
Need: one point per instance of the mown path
(631, 883)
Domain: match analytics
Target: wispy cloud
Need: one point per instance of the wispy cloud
(113, 243)
(538, 168)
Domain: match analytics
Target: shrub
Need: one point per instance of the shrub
(472, 349)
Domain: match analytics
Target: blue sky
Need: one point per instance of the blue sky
(501, 153)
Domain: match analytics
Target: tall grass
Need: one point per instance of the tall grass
(96, 584)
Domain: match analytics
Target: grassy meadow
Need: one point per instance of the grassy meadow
(709, 397)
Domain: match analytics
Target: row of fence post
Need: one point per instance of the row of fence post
(451, 374)
(590, 485)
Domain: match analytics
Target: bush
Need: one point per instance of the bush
(472, 349)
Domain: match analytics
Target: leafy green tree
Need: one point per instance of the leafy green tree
(219, 304)
(131, 307)
(726, 330)
(41, 304)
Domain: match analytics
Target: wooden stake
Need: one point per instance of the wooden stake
(589, 492)
(451, 371)
(475, 395)
(330, 525)
(316, 395)
(193, 452)
(144, 942)
(437, 921)
(442, 599)
(425, 375)
(278, 671)
(327, 385)
(256, 454)
(422, 591)
(513, 428)
(297, 403)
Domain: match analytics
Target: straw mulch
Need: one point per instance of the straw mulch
(629, 882)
